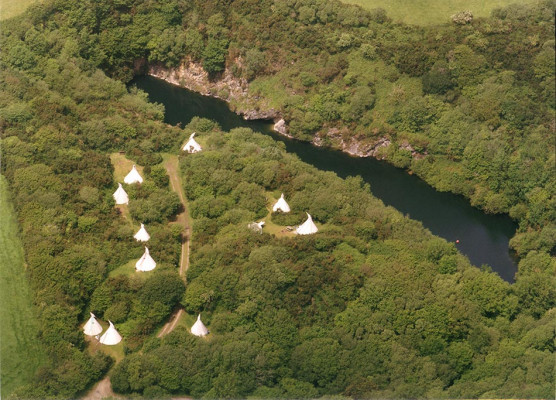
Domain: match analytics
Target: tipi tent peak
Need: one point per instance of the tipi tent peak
(142, 235)
(146, 262)
(120, 196)
(111, 336)
(92, 327)
(281, 205)
(133, 176)
(192, 146)
(308, 227)
(198, 328)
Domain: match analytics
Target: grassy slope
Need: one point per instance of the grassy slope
(431, 12)
(11, 8)
(20, 351)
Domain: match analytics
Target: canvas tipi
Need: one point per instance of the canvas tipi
(198, 328)
(256, 226)
(192, 146)
(111, 336)
(145, 263)
(133, 177)
(120, 196)
(308, 227)
(92, 327)
(281, 205)
(142, 235)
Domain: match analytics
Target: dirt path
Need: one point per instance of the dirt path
(103, 389)
(172, 168)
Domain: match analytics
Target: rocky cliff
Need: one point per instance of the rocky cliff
(235, 91)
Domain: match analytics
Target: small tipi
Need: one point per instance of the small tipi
(281, 205)
(133, 177)
(256, 226)
(120, 195)
(142, 235)
(192, 146)
(111, 336)
(92, 327)
(198, 328)
(145, 263)
(308, 227)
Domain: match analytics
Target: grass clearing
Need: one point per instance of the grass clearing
(433, 12)
(12, 8)
(122, 166)
(271, 227)
(116, 351)
(127, 269)
(20, 351)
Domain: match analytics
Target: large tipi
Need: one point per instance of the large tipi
(308, 227)
(198, 328)
(142, 235)
(281, 205)
(111, 336)
(133, 177)
(145, 263)
(92, 327)
(192, 146)
(120, 196)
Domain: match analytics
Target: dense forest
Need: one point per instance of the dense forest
(372, 305)
(468, 106)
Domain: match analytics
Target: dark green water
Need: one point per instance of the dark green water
(482, 238)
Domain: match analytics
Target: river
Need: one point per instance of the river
(483, 238)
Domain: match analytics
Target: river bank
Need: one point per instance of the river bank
(484, 238)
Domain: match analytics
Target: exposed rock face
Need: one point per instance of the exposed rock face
(192, 76)
(271, 114)
(281, 127)
(227, 87)
(352, 145)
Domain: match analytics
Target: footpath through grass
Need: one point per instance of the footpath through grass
(433, 12)
(20, 351)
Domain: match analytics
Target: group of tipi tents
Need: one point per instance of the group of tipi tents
(92, 328)
(306, 228)
(146, 262)
(112, 337)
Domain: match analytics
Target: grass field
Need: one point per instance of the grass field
(20, 352)
(431, 12)
(11, 8)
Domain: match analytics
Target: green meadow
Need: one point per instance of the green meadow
(432, 12)
(11, 8)
(20, 351)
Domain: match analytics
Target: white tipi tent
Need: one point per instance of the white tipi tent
(308, 227)
(133, 177)
(198, 328)
(92, 327)
(281, 205)
(111, 336)
(142, 235)
(145, 263)
(120, 195)
(256, 226)
(192, 146)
